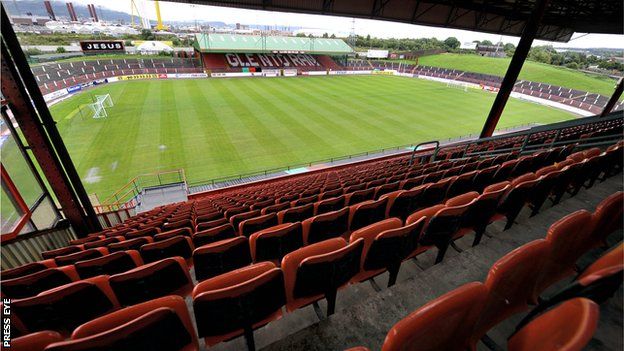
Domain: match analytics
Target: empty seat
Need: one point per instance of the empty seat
(35, 341)
(326, 226)
(238, 218)
(483, 178)
(87, 239)
(359, 196)
(386, 188)
(177, 246)
(211, 224)
(482, 211)
(613, 258)
(238, 302)
(80, 256)
(436, 192)
(460, 185)
(33, 284)
(169, 276)
(386, 245)
(275, 208)
(186, 231)
(272, 244)
(441, 324)
(220, 257)
(405, 202)
(542, 189)
(607, 218)
(304, 201)
(509, 284)
(318, 270)
(61, 251)
(103, 242)
(110, 264)
(366, 213)
(160, 324)
(212, 235)
(568, 239)
(27, 269)
(252, 225)
(130, 244)
(569, 326)
(64, 308)
(515, 198)
(185, 223)
(295, 214)
(329, 205)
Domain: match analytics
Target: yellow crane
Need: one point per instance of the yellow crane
(159, 24)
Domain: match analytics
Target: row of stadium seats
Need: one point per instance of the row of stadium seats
(238, 301)
(588, 101)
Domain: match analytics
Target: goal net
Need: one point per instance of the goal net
(98, 108)
(457, 85)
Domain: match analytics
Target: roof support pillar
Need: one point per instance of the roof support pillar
(32, 115)
(614, 98)
(515, 66)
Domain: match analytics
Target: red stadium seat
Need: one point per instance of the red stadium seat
(177, 246)
(359, 196)
(484, 177)
(238, 218)
(441, 324)
(460, 185)
(169, 276)
(405, 202)
(185, 223)
(110, 264)
(329, 205)
(238, 302)
(211, 224)
(103, 242)
(27, 269)
(80, 256)
(275, 208)
(386, 245)
(367, 212)
(35, 283)
(64, 308)
(386, 188)
(326, 226)
(613, 258)
(272, 244)
(185, 231)
(61, 251)
(220, 257)
(222, 232)
(34, 341)
(252, 225)
(295, 214)
(318, 270)
(510, 284)
(130, 244)
(569, 326)
(159, 324)
(607, 218)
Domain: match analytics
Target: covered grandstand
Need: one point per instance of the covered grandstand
(510, 241)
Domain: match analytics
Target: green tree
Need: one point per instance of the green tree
(452, 43)
(325, 35)
(61, 50)
(147, 34)
(486, 42)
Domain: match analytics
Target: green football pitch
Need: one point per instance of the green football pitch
(223, 127)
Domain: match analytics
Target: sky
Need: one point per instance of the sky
(341, 26)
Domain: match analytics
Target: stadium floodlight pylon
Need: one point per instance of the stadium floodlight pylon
(98, 108)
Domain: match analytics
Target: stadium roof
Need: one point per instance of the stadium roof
(236, 43)
(508, 17)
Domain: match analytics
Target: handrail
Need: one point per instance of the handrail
(435, 152)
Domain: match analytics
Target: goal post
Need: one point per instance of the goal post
(99, 106)
(457, 85)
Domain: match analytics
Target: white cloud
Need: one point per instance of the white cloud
(332, 24)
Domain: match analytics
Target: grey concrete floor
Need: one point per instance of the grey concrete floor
(363, 315)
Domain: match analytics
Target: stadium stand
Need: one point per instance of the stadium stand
(354, 217)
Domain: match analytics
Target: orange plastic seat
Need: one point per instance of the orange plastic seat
(221, 257)
(203, 237)
(295, 214)
(273, 243)
(367, 212)
(35, 283)
(607, 218)
(65, 260)
(62, 251)
(510, 284)
(329, 205)
(64, 308)
(185, 231)
(252, 225)
(27, 269)
(211, 224)
(441, 324)
(169, 276)
(177, 246)
(237, 302)
(326, 226)
(405, 202)
(319, 270)
(613, 258)
(35, 341)
(110, 264)
(567, 327)
(159, 324)
(130, 244)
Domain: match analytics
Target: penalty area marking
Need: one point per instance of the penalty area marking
(92, 175)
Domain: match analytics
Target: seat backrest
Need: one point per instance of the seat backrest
(80, 256)
(329, 205)
(238, 218)
(436, 192)
(463, 199)
(169, 276)
(275, 208)
(510, 284)
(252, 225)
(392, 245)
(366, 213)
(441, 324)
(177, 246)
(613, 258)
(130, 244)
(211, 224)
(568, 240)
(442, 225)
(225, 305)
(35, 341)
(370, 232)
(64, 308)
(103, 242)
(608, 217)
(35, 283)
(220, 257)
(27, 269)
(110, 264)
(291, 263)
(185, 223)
(326, 226)
(295, 214)
(61, 251)
(407, 202)
(203, 237)
(569, 326)
(160, 324)
(186, 231)
(359, 196)
(272, 244)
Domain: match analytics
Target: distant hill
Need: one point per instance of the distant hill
(37, 8)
